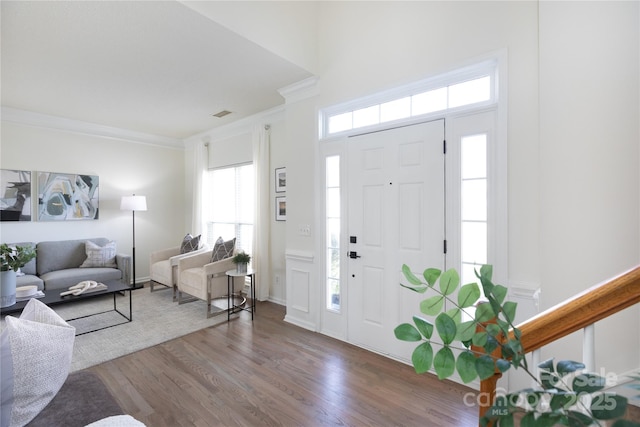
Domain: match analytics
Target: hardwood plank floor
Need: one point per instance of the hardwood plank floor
(271, 373)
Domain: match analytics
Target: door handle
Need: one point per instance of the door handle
(353, 255)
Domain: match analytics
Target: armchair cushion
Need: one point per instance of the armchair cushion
(189, 243)
(222, 249)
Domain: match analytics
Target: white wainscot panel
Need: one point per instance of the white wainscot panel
(301, 310)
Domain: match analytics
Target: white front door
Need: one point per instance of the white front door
(396, 215)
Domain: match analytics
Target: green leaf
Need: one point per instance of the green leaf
(509, 310)
(563, 400)
(503, 365)
(432, 306)
(493, 329)
(480, 339)
(528, 420)
(449, 281)
(578, 419)
(421, 289)
(568, 366)
(550, 419)
(466, 366)
(484, 313)
(410, 276)
(549, 379)
(547, 365)
(446, 328)
(422, 358)
(607, 406)
(431, 275)
(485, 367)
(486, 272)
(466, 331)
(513, 348)
(407, 332)
(588, 383)
(625, 423)
(455, 314)
(490, 345)
(499, 292)
(468, 295)
(424, 326)
(444, 363)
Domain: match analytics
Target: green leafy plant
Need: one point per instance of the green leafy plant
(241, 258)
(486, 342)
(14, 257)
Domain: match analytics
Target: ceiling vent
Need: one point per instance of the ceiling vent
(221, 114)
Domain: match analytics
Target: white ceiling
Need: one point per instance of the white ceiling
(156, 67)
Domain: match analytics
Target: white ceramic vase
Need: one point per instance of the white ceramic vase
(7, 288)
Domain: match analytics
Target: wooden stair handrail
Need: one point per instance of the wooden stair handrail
(574, 314)
(582, 310)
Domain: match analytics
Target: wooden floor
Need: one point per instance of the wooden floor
(271, 373)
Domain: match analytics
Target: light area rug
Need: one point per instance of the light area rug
(156, 319)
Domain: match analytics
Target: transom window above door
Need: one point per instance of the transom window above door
(465, 87)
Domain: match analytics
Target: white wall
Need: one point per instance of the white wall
(589, 151)
(123, 167)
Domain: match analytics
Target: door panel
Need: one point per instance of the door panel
(396, 210)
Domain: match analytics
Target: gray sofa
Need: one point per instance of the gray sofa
(57, 265)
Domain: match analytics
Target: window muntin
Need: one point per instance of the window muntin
(233, 217)
(332, 227)
(473, 204)
(465, 92)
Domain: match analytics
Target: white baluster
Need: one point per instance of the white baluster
(589, 348)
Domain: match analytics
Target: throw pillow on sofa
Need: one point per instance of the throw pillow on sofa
(100, 256)
(35, 358)
(189, 243)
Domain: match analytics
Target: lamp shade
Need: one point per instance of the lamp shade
(133, 203)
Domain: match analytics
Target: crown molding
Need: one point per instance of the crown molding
(29, 118)
(301, 90)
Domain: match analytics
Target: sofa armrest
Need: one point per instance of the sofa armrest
(164, 254)
(123, 261)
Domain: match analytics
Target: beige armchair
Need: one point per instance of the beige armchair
(205, 280)
(163, 267)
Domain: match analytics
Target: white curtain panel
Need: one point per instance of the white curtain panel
(200, 166)
(261, 257)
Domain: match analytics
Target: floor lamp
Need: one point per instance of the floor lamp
(133, 203)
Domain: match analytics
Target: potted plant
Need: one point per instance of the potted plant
(12, 258)
(241, 259)
(565, 394)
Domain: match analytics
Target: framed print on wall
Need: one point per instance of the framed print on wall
(281, 208)
(67, 197)
(281, 180)
(15, 200)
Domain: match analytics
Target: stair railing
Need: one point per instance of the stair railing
(578, 312)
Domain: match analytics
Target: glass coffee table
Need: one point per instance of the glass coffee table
(52, 298)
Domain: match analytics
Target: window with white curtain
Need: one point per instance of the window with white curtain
(230, 211)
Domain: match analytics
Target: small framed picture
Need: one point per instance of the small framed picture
(281, 180)
(281, 208)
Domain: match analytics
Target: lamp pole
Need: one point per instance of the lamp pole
(134, 203)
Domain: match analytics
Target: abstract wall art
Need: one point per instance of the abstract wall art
(67, 197)
(15, 200)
